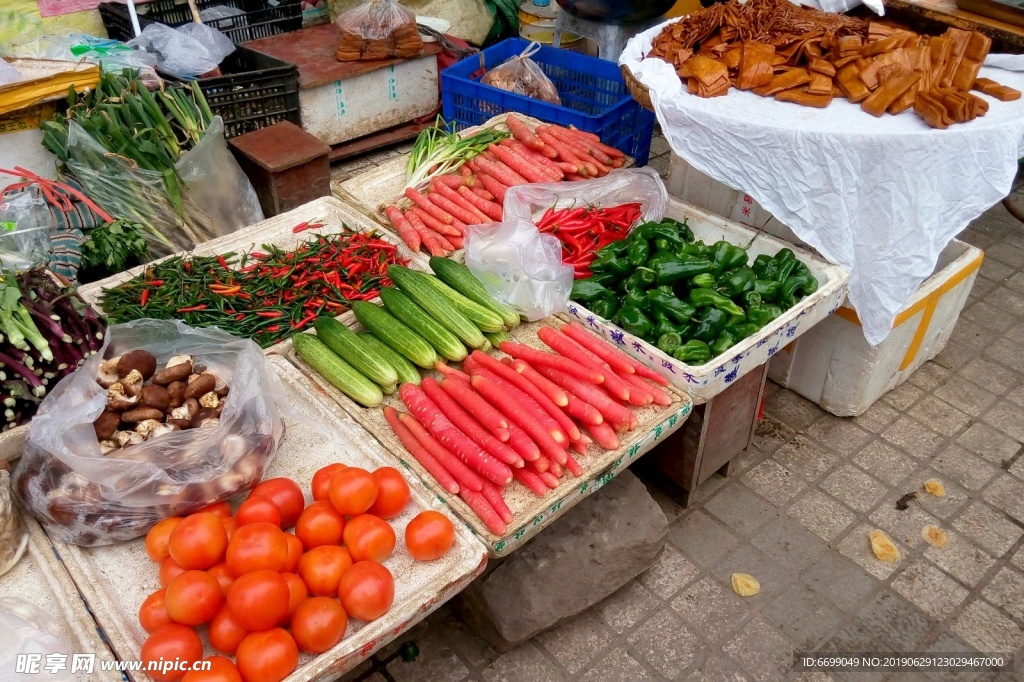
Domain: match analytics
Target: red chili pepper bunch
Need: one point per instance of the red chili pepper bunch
(586, 229)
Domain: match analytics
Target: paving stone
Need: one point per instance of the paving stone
(437, 662)
(943, 507)
(939, 416)
(669, 507)
(803, 616)
(854, 488)
(794, 410)
(626, 607)
(716, 668)
(840, 581)
(523, 663)
(989, 316)
(990, 375)
(972, 336)
(1007, 300)
(983, 285)
(1006, 590)
(786, 543)
(617, 665)
(1016, 282)
(748, 559)
(666, 644)
(857, 546)
(773, 482)
(576, 642)
(903, 526)
(988, 528)
(929, 375)
(916, 439)
(746, 460)
(1017, 469)
(822, 515)
(995, 270)
(840, 434)
(965, 396)
(984, 627)
(1007, 493)
(806, 457)
(770, 434)
(958, 464)
(879, 415)
(659, 145)
(903, 396)
(710, 608)
(946, 644)
(986, 441)
(884, 462)
(961, 559)
(853, 637)
(895, 621)
(1006, 418)
(1016, 396)
(701, 538)
(1007, 352)
(954, 356)
(762, 651)
(740, 509)
(929, 589)
(470, 647)
(669, 574)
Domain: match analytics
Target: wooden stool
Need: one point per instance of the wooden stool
(287, 166)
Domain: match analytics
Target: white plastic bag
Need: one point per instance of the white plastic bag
(13, 534)
(9, 74)
(621, 186)
(520, 266)
(216, 12)
(520, 75)
(186, 51)
(84, 497)
(111, 55)
(25, 225)
(27, 629)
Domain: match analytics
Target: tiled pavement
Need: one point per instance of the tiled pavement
(796, 515)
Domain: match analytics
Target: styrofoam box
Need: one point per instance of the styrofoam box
(116, 579)
(21, 142)
(708, 380)
(833, 365)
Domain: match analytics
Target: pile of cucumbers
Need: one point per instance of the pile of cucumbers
(424, 319)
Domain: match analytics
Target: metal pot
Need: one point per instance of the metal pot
(616, 11)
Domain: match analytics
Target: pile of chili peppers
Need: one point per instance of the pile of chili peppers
(586, 229)
(266, 296)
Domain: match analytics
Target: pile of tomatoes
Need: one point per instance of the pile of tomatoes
(267, 594)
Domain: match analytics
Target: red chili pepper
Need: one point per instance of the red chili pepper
(195, 308)
(144, 299)
(223, 263)
(156, 283)
(270, 313)
(273, 328)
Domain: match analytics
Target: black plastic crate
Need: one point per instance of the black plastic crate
(260, 20)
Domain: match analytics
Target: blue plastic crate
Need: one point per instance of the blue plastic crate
(594, 96)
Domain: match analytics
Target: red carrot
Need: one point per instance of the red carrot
(518, 164)
(450, 371)
(467, 169)
(500, 172)
(465, 422)
(553, 392)
(549, 479)
(493, 496)
(595, 141)
(420, 200)
(565, 154)
(539, 358)
(429, 237)
(658, 396)
(456, 242)
(501, 397)
(539, 465)
(579, 446)
(535, 156)
(522, 133)
(446, 242)
(433, 223)
(484, 194)
(463, 475)
(526, 386)
(534, 408)
(494, 186)
(573, 177)
(531, 480)
(483, 509)
(573, 467)
(604, 436)
(580, 145)
(458, 388)
(568, 151)
(453, 181)
(420, 453)
(449, 200)
(566, 347)
(488, 208)
(617, 360)
(424, 409)
(557, 470)
(617, 415)
(406, 231)
(519, 441)
(583, 412)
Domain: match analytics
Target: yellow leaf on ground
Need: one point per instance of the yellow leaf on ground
(935, 488)
(745, 585)
(935, 536)
(883, 547)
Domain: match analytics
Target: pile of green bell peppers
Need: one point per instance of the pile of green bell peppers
(692, 300)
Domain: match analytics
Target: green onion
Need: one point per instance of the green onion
(438, 151)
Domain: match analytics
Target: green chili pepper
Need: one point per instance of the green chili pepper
(662, 325)
(682, 229)
(636, 298)
(667, 288)
(736, 282)
(751, 298)
(774, 311)
(722, 343)
(679, 311)
(686, 330)
(604, 307)
(637, 253)
(668, 342)
(635, 321)
(735, 319)
(682, 267)
(709, 297)
(698, 249)
(726, 256)
(704, 281)
(642, 278)
(785, 270)
(742, 330)
(608, 280)
(661, 257)
(658, 231)
(759, 315)
(773, 268)
(760, 263)
(693, 353)
(585, 290)
(612, 259)
(710, 324)
(767, 289)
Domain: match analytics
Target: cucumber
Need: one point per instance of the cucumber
(496, 337)
(407, 373)
(459, 278)
(350, 347)
(395, 334)
(336, 371)
(443, 341)
(438, 306)
(484, 319)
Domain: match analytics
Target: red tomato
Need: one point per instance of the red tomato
(366, 590)
(153, 612)
(268, 656)
(259, 600)
(352, 491)
(295, 548)
(257, 546)
(169, 570)
(193, 598)
(369, 538)
(392, 493)
(319, 525)
(297, 593)
(221, 670)
(322, 478)
(286, 496)
(225, 632)
(198, 542)
(230, 526)
(172, 641)
(429, 536)
(221, 509)
(318, 624)
(223, 576)
(322, 567)
(157, 538)
(258, 510)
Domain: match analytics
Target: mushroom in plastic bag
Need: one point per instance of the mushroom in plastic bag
(520, 75)
(13, 535)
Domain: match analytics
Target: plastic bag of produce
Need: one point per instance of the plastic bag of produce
(88, 494)
(187, 51)
(377, 30)
(521, 76)
(13, 535)
(621, 186)
(25, 225)
(111, 55)
(520, 266)
(27, 629)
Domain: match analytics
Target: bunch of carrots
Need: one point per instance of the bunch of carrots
(439, 215)
(522, 417)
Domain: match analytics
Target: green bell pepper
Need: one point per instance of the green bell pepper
(722, 343)
(678, 311)
(698, 249)
(771, 271)
(736, 282)
(710, 324)
(802, 284)
(686, 330)
(586, 290)
(612, 258)
(604, 307)
(609, 280)
(759, 315)
(767, 288)
(634, 321)
(662, 325)
(638, 252)
(760, 263)
(726, 256)
(682, 267)
(661, 257)
(774, 312)
(709, 297)
(800, 269)
(667, 288)
(751, 298)
(693, 353)
(785, 271)
(662, 245)
(704, 281)
(669, 341)
(735, 319)
(636, 298)
(742, 330)
(681, 228)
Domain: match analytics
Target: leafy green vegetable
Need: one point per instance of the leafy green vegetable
(438, 150)
(115, 246)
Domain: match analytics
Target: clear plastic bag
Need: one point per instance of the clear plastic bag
(13, 534)
(25, 225)
(9, 74)
(27, 629)
(621, 186)
(216, 12)
(520, 266)
(520, 75)
(186, 51)
(111, 55)
(379, 29)
(84, 497)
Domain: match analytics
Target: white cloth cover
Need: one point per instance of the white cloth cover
(879, 197)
